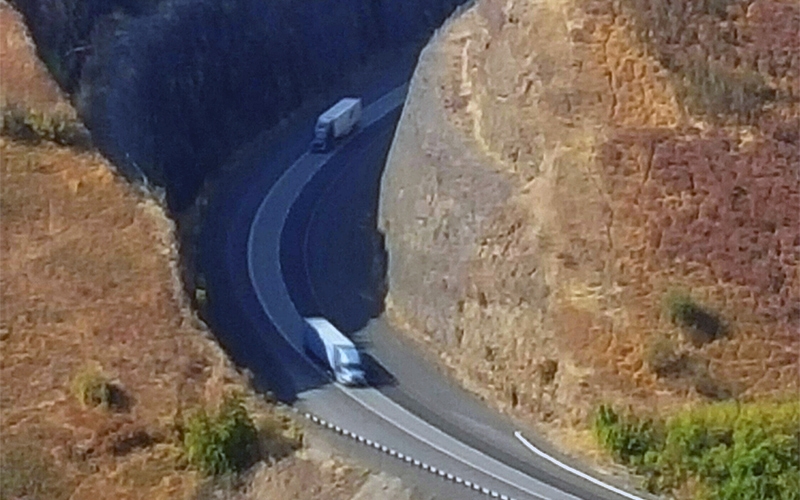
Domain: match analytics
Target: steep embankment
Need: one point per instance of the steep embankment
(590, 201)
(92, 312)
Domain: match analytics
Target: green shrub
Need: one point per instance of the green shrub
(737, 452)
(627, 437)
(223, 443)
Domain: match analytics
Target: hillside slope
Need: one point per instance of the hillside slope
(88, 283)
(590, 202)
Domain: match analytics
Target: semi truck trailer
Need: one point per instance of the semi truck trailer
(336, 352)
(335, 123)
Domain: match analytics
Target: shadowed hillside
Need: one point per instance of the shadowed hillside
(170, 89)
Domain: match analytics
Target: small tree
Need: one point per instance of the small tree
(222, 443)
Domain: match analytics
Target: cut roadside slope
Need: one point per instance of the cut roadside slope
(556, 179)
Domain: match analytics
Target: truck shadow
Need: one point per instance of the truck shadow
(377, 376)
(332, 254)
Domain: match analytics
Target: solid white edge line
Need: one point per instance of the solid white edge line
(572, 470)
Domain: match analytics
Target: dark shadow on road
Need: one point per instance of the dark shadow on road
(340, 270)
(377, 374)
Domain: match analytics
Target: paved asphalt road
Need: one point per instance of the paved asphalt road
(456, 433)
(277, 254)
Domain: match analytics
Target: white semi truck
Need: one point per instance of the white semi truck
(336, 122)
(325, 342)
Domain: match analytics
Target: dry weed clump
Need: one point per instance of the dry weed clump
(34, 126)
(664, 358)
(92, 388)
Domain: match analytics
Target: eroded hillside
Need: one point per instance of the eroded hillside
(597, 201)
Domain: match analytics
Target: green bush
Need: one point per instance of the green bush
(737, 452)
(223, 443)
(627, 437)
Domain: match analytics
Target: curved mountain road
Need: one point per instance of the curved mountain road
(418, 414)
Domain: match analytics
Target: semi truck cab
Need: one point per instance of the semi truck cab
(338, 353)
(323, 137)
(348, 370)
(338, 121)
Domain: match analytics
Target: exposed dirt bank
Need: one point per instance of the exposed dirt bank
(558, 183)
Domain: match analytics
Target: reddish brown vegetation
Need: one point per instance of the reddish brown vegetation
(743, 48)
(704, 200)
(713, 210)
(717, 211)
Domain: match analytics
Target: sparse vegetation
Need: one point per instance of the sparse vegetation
(710, 47)
(223, 443)
(702, 324)
(668, 361)
(716, 92)
(33, 126)
(26, 472)
(664, 360)
(278, 436)
(92, 387)
(735, 451)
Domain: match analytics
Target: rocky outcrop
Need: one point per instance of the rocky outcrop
(464, 264)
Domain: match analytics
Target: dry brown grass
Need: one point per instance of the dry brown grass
(23, 79)
(89, 293)
(83, 282)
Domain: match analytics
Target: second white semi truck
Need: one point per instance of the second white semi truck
(325, 342)
(335, 123)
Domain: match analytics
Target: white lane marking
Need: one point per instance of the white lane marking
(554, 492)
(430, 469)
(567, 468)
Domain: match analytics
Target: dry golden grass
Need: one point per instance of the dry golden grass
(89, 293)
(87, 278)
